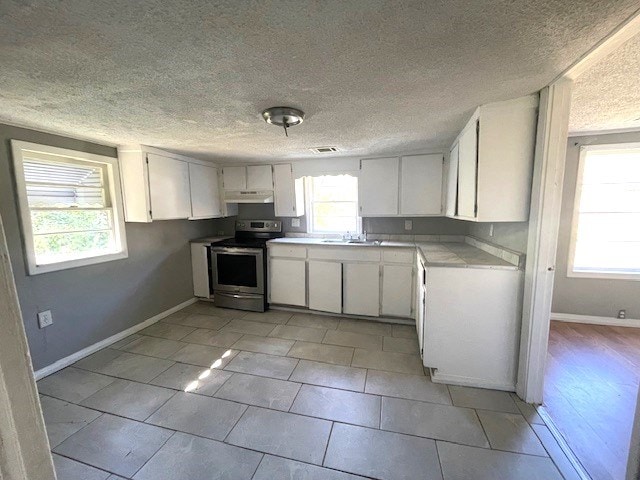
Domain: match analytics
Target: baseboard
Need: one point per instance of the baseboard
(437, 377)
(398, 321)
(594, 320)
(85, 352)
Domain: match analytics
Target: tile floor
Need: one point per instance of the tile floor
(210, 394)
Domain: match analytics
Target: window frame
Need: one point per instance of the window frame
(573, 238)
(112, 189)
(308, 200)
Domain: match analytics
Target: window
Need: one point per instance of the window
(333, 204)
(605, 239)
(69, 205)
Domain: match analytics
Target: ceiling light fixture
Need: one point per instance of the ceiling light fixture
(283, 117)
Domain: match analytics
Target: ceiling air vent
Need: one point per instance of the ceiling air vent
(324, 149)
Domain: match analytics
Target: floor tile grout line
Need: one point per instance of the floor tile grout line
(484, 431)
(83, 463)
(258, 466)
(154, 453)
(326, 447)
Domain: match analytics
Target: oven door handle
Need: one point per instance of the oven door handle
(236, 250)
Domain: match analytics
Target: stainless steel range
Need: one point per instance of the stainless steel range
(239, 265)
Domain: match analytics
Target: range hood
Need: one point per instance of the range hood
(249, 196)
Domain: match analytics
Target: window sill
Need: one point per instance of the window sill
(81, 262)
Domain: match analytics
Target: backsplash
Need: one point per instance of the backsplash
(420, 226)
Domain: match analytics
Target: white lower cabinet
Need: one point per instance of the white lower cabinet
(472, 326)
(361, 289)
(397, 290)
(325, 286)
(287, 281)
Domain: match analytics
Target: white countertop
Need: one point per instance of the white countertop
(443, 254)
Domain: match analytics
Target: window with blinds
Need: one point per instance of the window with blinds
(68, 207)
(333, 204)
(605, 239)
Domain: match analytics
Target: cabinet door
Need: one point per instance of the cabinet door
(259, 177)
(397, 290)
(168, 188)
(325, 286)
(421, 185)
(287, 192)
(287, 281)
(468, 171)
(452, 183)
(421, 304)
(378, 186)
(205, 195)
(234, 178)
(361, 289)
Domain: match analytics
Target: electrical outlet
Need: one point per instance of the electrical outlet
(491, 230)
(295, 222)
(45, 318)
(408, 224)
(622, 314)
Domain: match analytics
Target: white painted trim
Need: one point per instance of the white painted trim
(544, 220)
(469, 381)
(611, 131)
(19, 148)
(609, 44)
(85, 352)
(595, 320)
(562, 443)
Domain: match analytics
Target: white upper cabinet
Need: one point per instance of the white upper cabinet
(235, 178)
(158, 185)
(288, 192)
(205, 194)
(452, 182)
(495, 162)
(168, 188)
(378, 187)
(421, 185)
(467, 171)
(259, 177)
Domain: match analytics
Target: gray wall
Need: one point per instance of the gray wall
(94, 302)
(509, 235)
(586, 296)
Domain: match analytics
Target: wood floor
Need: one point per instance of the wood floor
(591, 387)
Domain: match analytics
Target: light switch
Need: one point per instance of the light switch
(45, 319)
(295, 222)
(408, 224)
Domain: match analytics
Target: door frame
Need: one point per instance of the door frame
(24, 448)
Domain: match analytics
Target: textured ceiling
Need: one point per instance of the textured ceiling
(373, 76)
(607, 96)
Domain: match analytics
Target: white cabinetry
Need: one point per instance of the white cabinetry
(472, 326)
(287, 281)
(404, 186)
(252, 177)
(361, 287)
(288, 192)
(205, 193)
(491, 181)
(421, 185)
(325, 286)
(378, 187)
(235, 178)
(158, 185)
(199, 266)
(259, 177)
(397, 290)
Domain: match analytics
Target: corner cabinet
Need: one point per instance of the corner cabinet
(491, 163)
(404, 186)
(158, 185)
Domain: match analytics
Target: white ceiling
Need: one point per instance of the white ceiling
(374, 77)
(607, 96)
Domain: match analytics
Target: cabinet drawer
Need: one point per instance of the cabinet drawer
(405, 255)
(358, 254)
(290, 251)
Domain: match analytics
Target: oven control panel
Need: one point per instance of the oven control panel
(258, 226)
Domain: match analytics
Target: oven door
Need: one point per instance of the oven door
(237, 269)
